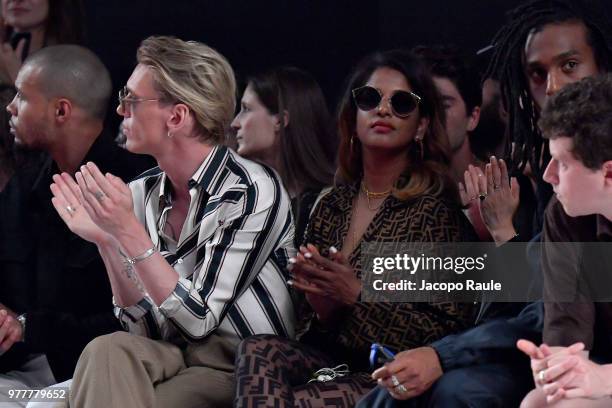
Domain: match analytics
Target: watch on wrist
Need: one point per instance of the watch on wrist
(22, 320)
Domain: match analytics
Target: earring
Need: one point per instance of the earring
(169, 135)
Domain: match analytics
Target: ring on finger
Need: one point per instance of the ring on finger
(473, 198)
(541, 376)
(99, 195)
(395, 381)
(482, 196)
(70, 209)
(401, 389)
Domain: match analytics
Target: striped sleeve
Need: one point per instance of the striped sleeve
(245, 231)
(139, 319)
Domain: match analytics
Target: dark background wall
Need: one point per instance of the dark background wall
(325, 37)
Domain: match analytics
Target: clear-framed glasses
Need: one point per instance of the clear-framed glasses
(402, 103)
(126, 101)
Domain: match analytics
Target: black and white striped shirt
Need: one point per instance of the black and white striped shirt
(231, 256)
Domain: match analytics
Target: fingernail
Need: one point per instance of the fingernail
(333, 250)
(493, 158)
(292, 260)
(290, 267)
(290, 282)
(307, 255)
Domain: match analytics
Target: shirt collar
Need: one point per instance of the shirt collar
(203, 176)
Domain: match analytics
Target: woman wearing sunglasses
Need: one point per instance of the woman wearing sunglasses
(284, 123)
(393, 159)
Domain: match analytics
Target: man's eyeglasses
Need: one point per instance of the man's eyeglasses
(402, 102)
(126, 101)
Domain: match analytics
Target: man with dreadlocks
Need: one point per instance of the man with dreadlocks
(546, 45)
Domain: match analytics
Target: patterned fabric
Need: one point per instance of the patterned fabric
(231, 255)
(273, 372)
(399, 326)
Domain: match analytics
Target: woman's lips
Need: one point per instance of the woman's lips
(382, 127)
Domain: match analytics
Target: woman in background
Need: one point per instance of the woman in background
(284, 123)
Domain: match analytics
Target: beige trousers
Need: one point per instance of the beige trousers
(125, 370)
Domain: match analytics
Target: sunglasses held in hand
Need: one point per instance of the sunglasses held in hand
(402, 103)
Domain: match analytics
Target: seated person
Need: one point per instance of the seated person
(195, 249)
(578, 123)
(482, 367)
(284, 123)
(458, 83)
(54, 295)
(394, 161)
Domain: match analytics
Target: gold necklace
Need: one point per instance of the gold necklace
(372, 195)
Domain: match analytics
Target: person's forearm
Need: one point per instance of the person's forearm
(124, 282)
(158, 278)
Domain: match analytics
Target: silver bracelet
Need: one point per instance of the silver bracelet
(146, 254)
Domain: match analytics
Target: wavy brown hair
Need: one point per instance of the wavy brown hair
(423, 175)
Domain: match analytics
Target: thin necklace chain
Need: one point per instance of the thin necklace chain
(372, 194)
(369, 195)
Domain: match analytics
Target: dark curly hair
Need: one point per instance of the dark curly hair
(582, 111)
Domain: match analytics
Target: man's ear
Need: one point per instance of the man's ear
(63, 110)
(473, 118)
(284, 118)
(179, 118)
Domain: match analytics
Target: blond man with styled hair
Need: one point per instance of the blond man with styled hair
(195, 249)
